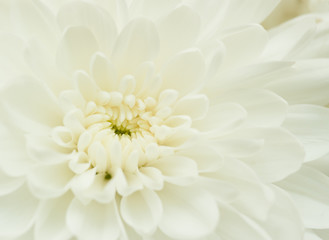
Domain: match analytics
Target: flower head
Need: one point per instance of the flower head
(152, 120)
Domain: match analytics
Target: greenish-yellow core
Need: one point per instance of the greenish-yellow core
(107, 176)
(119, 130)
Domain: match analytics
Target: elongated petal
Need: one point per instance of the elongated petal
(187, 212)
(142, 210)
(308, 187)
(17, 216)
(311, 125)
(184, 72)
(37, 104)
(93, 221)
(138, 42)
(73, 53)
(50, 223)
(51, 180)
(99, 22)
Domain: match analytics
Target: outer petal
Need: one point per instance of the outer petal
(50, 223)
(138, 42)
(17, 216)
(98, 21)
(37, 104)
(264, 108)
(311, 126)
(309, 188)
(255, 39)
(73, 53)
(93, 221)
(9, 184)
(51, 180)
(187, 212)
(306, 83)
(142, 210)
(284, 216)
(236, 226)
(280, 156)
(178, 31)
(184, 71)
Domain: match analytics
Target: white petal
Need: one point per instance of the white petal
(51, 180)
(93, 221)
(284, 216)
(176, 169)
(142, 210)
(33, 19)
(73, 53)
(257, 11)
(178, 31)
(18, 211)
(187, 212)
(42, 63)
(50, 222)
(195, 106)
(86, 86)
(103, 72)
(206, 157)
(99, 22)
(253, 198)
(234, 225)
(151, 177)
(138, 42)
(184, 71)
(311, 126)
(306, 83)
(222, 118)
(254, 39)
(14, 160)
(9, 184)
(287, 39)
(280, 156)
(309, 189)
(264, 108)
(37, 104)
(223, 191)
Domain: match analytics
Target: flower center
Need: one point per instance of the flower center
(115, 132)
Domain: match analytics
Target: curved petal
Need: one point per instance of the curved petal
(50, 223)
(264, 108)
(280, 156)
(138, 42)
(38, 104)
(187, 212)
(98, 21)
(310, 124)
(309, 190)
(195, 106)
(176, 169)
(284, 216)
(142, 210)
(234, 225)
(306, 83)
(103, 72)
(9, 184)
(17, 216)
(255, 39)
(73, 53)
(178, 31)
(184, 71)
(51, 180)
(93, 221)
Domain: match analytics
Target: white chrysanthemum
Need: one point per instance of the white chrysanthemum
(157, 119)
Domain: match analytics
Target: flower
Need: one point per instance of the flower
(161, 120)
